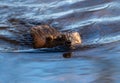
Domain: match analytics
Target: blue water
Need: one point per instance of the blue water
(97, 61)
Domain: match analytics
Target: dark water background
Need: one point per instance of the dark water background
(97, 61)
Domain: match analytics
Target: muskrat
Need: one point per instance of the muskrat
(45, 36)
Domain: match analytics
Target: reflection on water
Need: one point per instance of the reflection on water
(96, 61)
(67, 55)
(52, 67)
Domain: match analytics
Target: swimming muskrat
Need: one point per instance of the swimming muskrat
(45, 36)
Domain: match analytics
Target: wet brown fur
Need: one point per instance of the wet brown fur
(45, 36)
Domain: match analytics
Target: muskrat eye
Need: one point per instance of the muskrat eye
(63, 37)
(68, 42)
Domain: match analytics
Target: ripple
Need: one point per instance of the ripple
(91, 20)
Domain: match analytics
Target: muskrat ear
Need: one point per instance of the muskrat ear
(50, 38)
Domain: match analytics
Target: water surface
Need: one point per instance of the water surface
(97, 61)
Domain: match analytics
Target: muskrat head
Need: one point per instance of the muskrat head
(72, 38)
(75, 38)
